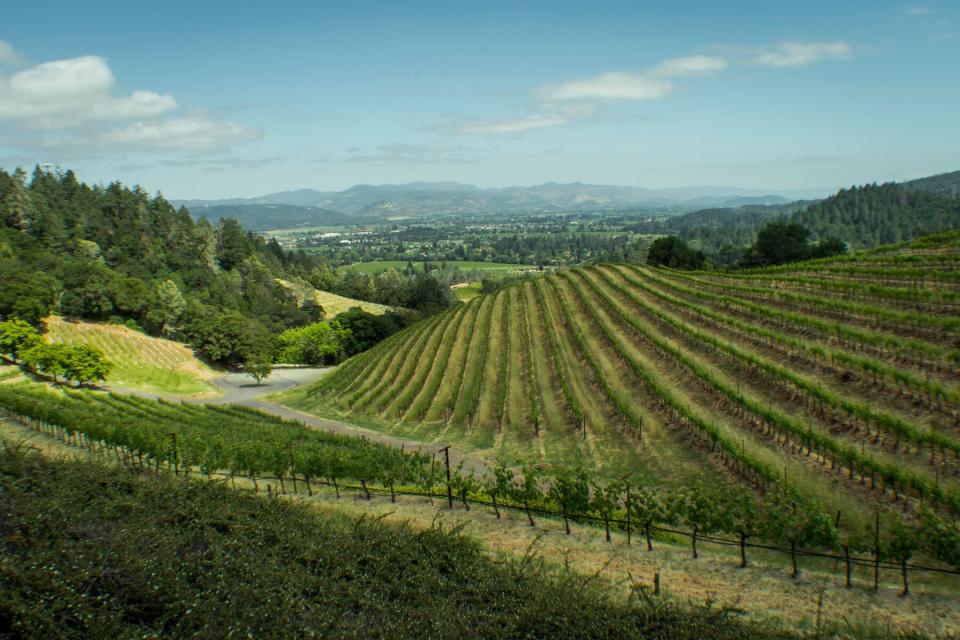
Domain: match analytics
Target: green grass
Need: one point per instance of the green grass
(467, 291)
(94, 551)
(332, 304)
(463, 265)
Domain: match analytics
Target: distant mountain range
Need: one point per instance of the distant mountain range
(376, 203)
(380, 202)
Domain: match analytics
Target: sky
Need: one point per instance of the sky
(240, 99)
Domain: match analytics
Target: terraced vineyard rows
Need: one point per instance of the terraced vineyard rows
(139, 361)
(837, 381)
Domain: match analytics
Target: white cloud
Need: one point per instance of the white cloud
(196, 133)
(404, 153)
(646, 85)
(67, 93)
(917, 10)
(73, 104)
(510, 125)
(613, 85)
(690, 65)
(581, 98)
(799, 54)
(10, 57)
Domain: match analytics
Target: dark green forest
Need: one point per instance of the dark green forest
(116, 253)
(863, 217)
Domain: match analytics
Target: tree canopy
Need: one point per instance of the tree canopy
(673, 252)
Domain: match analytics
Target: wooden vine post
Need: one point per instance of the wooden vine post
(626, 486)
(876, 553)
(446, 460)
(176, 455)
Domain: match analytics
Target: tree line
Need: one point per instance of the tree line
(115, 253)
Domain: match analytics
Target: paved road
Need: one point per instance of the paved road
(239, 388)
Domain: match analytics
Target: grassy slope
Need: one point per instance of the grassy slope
(332, 303)
(466, 291)
(92, 551)
(139, 361)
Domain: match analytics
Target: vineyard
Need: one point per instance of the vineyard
(139, 361)
(331, 303)
(238, 444)
(835, 381)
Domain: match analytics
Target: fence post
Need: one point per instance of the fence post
(876, 554)
(906, 584)
(629, 527)
(846, 553)
(656, 584)
(446, 460)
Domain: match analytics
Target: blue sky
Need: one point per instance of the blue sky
(240, 99)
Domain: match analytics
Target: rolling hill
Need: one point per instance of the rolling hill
(839, 377)
(364, 202)
(139, 361)
(943, 184)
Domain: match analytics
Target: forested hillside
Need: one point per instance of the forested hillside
(943, 184)
(116, 253)
(863, 217)
(873, 215)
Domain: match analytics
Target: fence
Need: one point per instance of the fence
(132, 459)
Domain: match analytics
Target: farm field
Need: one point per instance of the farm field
(826, 379)
(139, 361)
(464, 265)
(332, 303)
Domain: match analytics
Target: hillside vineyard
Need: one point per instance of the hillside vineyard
(839, 378)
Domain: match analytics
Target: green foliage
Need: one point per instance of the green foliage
(227, 336)
(570, 490)
(367, 329)
(45, 358)
(258, 368)
(673, 252)
(213, 555)
(17, 336)
(318, 343)
(781, 242)
(114, 253)
(84, 364)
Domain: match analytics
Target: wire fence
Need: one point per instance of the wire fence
(133, 459)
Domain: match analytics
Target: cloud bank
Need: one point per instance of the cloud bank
(566, 102)
(74, 103)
